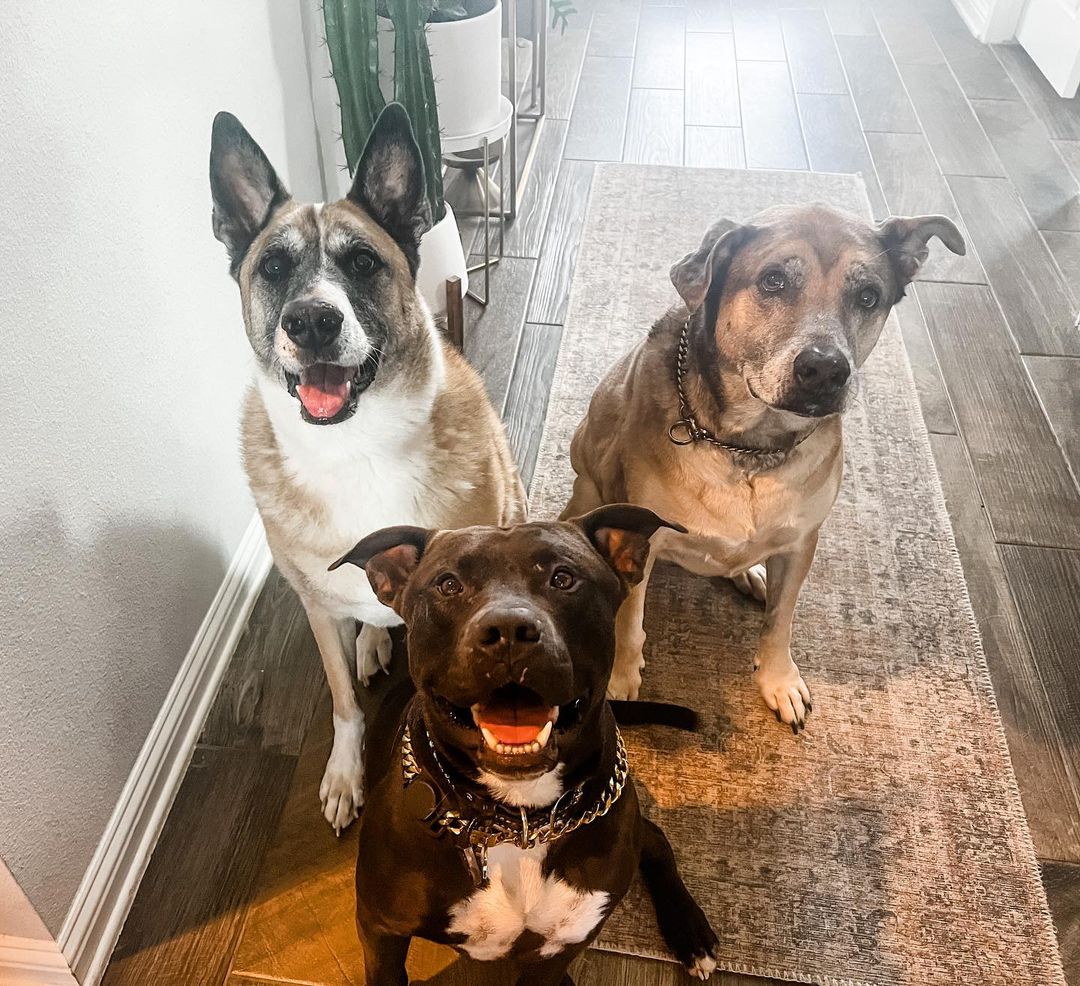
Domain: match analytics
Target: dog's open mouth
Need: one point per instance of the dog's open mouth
(518, 730)
(515, 721)
(328, 392)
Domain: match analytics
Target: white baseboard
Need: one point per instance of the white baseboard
(108, 888)
(33, 962)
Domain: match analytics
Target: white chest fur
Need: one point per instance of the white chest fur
(369, 472)
(520, 898)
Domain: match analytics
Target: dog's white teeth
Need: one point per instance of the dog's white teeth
(499, 748)
(543, 736)
(489, 738)
(535, 747)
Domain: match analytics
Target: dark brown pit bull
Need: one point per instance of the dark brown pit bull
(726, 418)
(500, 817)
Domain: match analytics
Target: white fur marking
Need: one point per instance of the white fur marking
(519, 898)
(376, 459)
(534, 793)
(702, 967)
(342, 788)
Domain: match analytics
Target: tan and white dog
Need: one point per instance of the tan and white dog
(726, 418)
(359, 416)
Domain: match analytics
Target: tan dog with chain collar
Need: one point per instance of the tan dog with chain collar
(726, 418)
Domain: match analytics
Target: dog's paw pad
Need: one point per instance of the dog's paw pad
(751, 582)
(373, 652)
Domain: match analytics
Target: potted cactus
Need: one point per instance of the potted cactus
(353, 43)
(464, 39)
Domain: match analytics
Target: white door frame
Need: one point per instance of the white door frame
(991, 21)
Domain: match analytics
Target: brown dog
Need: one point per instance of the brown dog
(726, 418)
(502, 819)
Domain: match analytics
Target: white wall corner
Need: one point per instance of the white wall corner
(97, 914)
(33, 962)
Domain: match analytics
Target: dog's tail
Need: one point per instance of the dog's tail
(655, 714)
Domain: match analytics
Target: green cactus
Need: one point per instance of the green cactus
(414, 88)
(352, 37)
(353, 40)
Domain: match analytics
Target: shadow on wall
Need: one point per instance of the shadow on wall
(297, 100)
(93, 633)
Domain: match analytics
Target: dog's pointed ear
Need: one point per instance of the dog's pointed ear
(906, 240)
(620, 532)
(389, 557)
(245, 188)
(389, 181)
(700, 275)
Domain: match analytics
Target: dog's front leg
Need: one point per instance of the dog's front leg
(553, 971)
(384, 958)
(682, 922)
(342, 788)
(630, 641)
(776, 674)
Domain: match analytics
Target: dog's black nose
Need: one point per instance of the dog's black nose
(511, 626)
(822, 369)
(312, 324)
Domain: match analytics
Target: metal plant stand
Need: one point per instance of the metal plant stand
(503, 140)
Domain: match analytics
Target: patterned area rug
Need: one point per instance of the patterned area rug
(886, 845)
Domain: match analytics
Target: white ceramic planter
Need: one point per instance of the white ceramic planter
(441, 257)
(466, 61)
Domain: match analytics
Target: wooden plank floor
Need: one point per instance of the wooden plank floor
(248, 886)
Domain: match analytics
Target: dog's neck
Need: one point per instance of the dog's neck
(722, 402)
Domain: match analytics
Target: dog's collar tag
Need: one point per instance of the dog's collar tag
(421, 800)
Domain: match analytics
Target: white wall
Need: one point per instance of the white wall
(122, 363)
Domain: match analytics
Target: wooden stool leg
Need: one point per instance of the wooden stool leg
(455, 314)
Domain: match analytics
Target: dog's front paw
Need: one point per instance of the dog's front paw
(342, 789)
(784, 692)
(694, 944)
(751, 582)
(373, 650)
(624, 686)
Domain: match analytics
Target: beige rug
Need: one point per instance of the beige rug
(886, 844)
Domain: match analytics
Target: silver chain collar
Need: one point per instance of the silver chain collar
(476, 834)
(686, 430)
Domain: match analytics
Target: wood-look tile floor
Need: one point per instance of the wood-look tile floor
(248, 886)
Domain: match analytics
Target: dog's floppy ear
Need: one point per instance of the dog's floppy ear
(906, 239)
(244, 185)
(620, 532)
(706, 266)
(389, 557)
(389, 181)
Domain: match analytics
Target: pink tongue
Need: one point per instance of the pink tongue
(324, 389)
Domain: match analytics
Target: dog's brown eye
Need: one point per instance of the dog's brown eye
(561, 578)
(363, 262)
(868, 298)
(773, 281)
(274, 266)
(449, 585)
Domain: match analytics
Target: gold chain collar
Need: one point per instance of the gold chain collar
(476, 833)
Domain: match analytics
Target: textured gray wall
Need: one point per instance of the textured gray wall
(122, 363)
